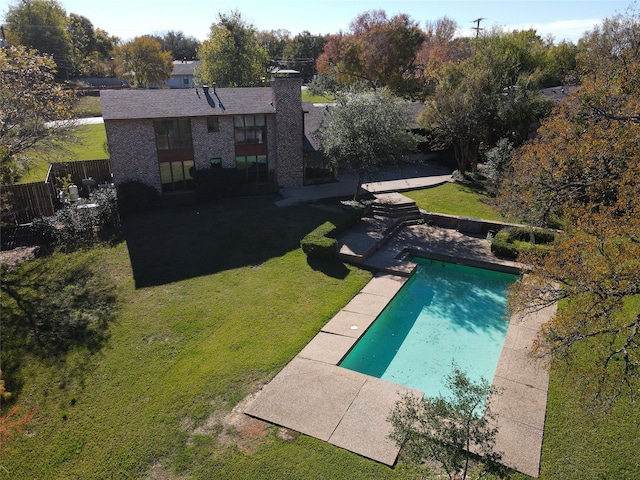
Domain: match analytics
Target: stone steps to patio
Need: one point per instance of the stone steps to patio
(389, 213)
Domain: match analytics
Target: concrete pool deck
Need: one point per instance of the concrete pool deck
(314, 396)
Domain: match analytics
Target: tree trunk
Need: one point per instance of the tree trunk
(356, 195)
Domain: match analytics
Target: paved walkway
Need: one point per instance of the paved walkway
(409, 177)
(316, 397)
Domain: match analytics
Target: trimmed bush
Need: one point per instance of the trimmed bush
(523, 234)
(218, 182)
(509, 242)
(502, 245)
(135, 196)
(321, 242)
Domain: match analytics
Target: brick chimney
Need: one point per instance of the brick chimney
(287, 100)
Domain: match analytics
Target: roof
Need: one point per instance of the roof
(313, 118)
(188, 102)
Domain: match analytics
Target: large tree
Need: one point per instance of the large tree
(378, 50)
(181, 46)
(584, 168)
(491, 95)
(440, 48)
(29, 98)
(41, 25)
(366, 131)
(301, 53)
(233, 56)
(143, 62)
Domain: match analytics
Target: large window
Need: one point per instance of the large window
(176, 176)
(255, 167)
(173, 134)
(250, 129)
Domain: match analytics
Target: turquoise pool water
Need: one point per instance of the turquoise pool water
(444, 313)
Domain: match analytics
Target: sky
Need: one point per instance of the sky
(563, 19)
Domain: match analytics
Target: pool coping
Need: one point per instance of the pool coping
(316, 397)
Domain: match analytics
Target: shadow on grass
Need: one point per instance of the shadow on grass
(172, 244)
(331, 267)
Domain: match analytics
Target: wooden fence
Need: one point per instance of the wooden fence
(99, 170)
(24, 202)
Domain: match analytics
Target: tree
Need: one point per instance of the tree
(447, 429)
(275, 42)
(301, 53)
(232, 56)
(181, 46)
(491, 95)
(29, 98)
(584, 168)
(440, 48)
(366, 131)
(41, 25)
(142, 62)
(379, 50)
(83, 43)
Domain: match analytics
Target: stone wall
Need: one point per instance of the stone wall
(132, 148)
(289, 130)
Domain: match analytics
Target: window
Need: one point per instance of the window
(212, 124)
(173, 134)
(176, 176)
(250, 129)
(255, 167)
(185, 81)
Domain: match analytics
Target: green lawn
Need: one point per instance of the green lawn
(88, 144)
(214, 300)
(455, 199)
(90, 106)
(307, 97)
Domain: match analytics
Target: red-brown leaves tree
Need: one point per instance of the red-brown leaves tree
(378, 50)
(584, 168)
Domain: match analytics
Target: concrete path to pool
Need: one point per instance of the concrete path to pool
(316, 397)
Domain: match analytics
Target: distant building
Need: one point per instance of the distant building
(183, 74)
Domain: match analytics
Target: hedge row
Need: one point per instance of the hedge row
(321, 242)
(504, 243)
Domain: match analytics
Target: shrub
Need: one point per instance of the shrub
(524, 235)
(512, 241)
(218, 182)
(81, 223)
(135, 196)
(321, 242)
(502, 245)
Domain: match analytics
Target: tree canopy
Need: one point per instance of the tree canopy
(378, 50)
(181, 46)
(583, 169)
(41, 25)
(76, 46)
(143, 62)
(445, 428)
(366, 131)
(29, 98)
(490, 95)
(232, 56)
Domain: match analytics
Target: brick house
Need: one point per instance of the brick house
(156, 136)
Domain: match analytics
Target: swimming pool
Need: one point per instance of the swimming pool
(444, 313)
